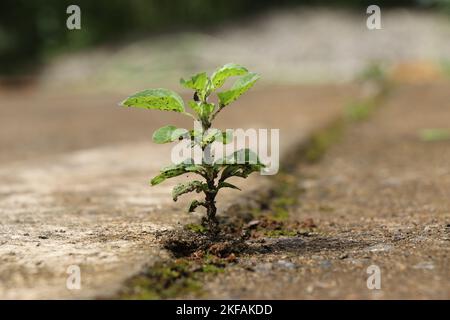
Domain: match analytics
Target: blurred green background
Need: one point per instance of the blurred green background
(31, 32)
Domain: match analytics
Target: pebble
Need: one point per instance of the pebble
(379, 248)
(263, 267)
(326, 264)
(358, 262)
(425, 265)
(310, 289)
(253, 224)
(286, 264)
(398, 236)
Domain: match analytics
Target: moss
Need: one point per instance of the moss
(322, 140)
(283, 198)
(325, 208)
(197, 228)
(360, 110)
(162, 281)
(256, 212)
(284, 202)
(212, 268)
(280, 233)
(173, 279)
(280, 214)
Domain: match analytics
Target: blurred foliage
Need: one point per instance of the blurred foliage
(446, 67)
(373, 72)
(430, 135)
(31, 30)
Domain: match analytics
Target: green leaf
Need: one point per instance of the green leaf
(219, 77)
(242, 156)
(197, 82)
(169, 172)
(158, 179)
(159, 99)
(200, 83)
(230, 171)
(194, 204)
(239, 87)
(187, 187)
(240, 164)
(245, 156)
(227, 185)
(196, 106)
(195, 168)
(168, 134)
(239, 170)
(207, 109)
(187, 166)
(214, 134)
(210, 136)
(202, 109)
(226, 137)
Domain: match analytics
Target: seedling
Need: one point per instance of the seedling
(215, 174)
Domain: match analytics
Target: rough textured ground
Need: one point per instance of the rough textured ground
(74, 172)
(379, 197)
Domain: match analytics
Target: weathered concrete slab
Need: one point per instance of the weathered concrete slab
(70, 194)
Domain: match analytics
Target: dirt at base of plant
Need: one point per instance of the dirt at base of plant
(254, 226)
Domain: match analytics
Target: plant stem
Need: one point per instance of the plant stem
(210, 198)
(210, 194)
(214, 115)
(211, 210)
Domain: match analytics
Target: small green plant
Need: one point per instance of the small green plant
(437, 134)
(215, 173)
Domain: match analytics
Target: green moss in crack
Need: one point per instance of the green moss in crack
(162, 281)
(360, 110)
(197, 228)
(322, 140)
(280, 233)
(212, 268)
(284, 196)
(173, 279)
